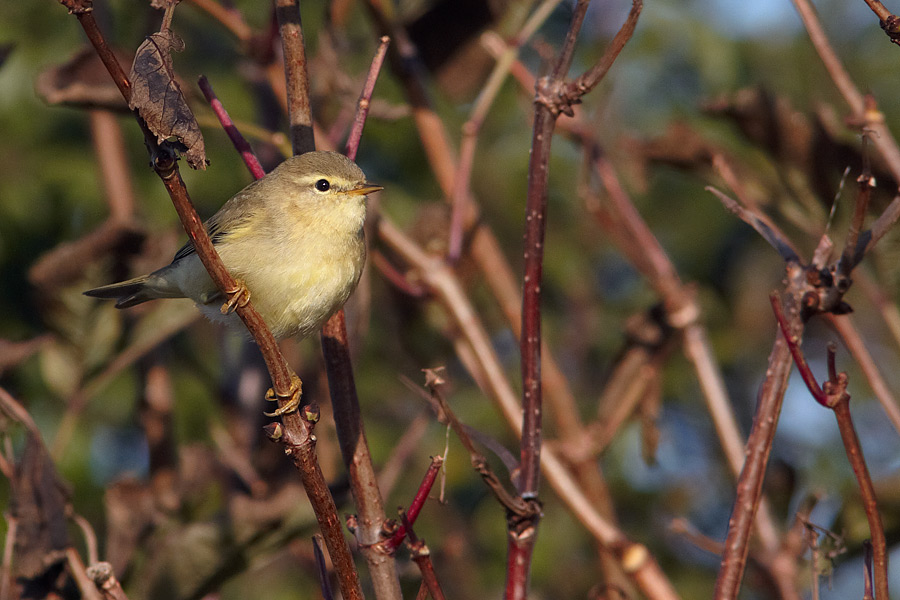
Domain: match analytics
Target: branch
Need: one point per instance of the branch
(552, 97)
(437, 462)
(833, 394)
(303, 454)
(296, 76)
(335, 344)
(421, 555)
(297, 431)
(857, 347)
(461, 193)
(447, 289)
(365, 98)
(759, 446)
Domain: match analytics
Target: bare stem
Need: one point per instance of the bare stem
(365, 98)
(444, 284)
(876, 530)
(345, 403)
(421, 555)
(749, 485)
(471, 128)
(833, 394)
(238, 140)
(857, 347)
(296, 76)
(869, 116)
(419, 501)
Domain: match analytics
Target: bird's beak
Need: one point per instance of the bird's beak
(365, 188)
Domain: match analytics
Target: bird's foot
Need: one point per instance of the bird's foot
(238, 297)
(292, 398)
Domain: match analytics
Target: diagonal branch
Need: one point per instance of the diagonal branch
(297, 431)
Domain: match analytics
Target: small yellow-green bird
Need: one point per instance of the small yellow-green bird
(294, 238)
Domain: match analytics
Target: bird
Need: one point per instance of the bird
(293, 240)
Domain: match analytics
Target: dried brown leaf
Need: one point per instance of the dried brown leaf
(159, 99)
(82, 81)
(38, 499)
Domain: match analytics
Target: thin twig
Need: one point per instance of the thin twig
(866, 113)
(418, 502)
(322, 568)
(833, 394)
(472, 127)
(851, 255)
(443, 282)
(365, 98)
(90, 537)
(857, 347)
(421, 555)
(238, 140)
(759, 446)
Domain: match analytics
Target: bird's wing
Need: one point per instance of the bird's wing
(215, 234)
(230, 213)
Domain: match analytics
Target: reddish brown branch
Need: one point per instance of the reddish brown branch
(365, 98)
(793, 342)
(296, 76)
(445, 286)
(418, 502)
(857, 347)
(238, 140)
(833, 394)
(553, 96)
(297, 432)
(421, 555)
(345, 402)
(889, 22)
(750, 480)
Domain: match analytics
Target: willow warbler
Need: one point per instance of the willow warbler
(294, 238)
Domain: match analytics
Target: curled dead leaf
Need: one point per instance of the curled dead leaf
(159, 100)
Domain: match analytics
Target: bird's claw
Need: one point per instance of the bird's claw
(292, 398)
(238, 297)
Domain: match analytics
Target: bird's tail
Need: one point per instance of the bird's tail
(134, 291)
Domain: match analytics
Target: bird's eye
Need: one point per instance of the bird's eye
(323, 185)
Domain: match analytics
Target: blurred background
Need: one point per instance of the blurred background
(156, 408)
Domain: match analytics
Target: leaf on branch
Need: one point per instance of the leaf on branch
(159, 100)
